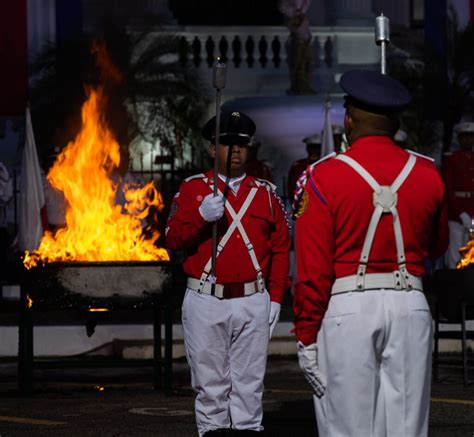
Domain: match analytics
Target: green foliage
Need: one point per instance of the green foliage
(446, 83)
(156, 98)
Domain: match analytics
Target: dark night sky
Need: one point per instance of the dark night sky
(226, 12)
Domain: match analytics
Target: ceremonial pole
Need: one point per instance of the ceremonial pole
(218, 81)
(382, 39)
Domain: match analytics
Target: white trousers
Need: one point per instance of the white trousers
(226, 347)
(375, 350)
(458, 237)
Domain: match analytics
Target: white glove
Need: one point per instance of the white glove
(274, 316)
(308, 361)
(466, 220)
(212, 208)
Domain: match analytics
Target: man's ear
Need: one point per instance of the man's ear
(212, 150)
(347, 120)
(348, 123)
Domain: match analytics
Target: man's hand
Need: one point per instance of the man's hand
(274, 316)
(212, 208)
(308, 361)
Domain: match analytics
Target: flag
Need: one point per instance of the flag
(31, 193)
(327, 145)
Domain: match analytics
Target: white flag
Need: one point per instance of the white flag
(327, 145)
(31, 193)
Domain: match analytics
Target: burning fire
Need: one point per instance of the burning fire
(97, 229)
(467, 253)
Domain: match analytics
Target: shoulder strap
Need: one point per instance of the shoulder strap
(411, 152)
(196, 176)
(266, 184)
(324, 158)
(361, 170)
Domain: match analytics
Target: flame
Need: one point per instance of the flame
(97, 229)
(467, 253)
(29, 301)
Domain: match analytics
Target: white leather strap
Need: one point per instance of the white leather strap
(376, 281)
(236, 223)
(385, 201)
(361, 170)
(236, 220)
(408, 167)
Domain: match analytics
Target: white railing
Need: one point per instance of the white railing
(265, 46)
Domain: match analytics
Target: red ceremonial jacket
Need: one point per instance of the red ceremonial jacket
(458, 175)
(265, 223)
(335, 215)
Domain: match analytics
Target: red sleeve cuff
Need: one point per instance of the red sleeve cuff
(276, 295)
(306, 337)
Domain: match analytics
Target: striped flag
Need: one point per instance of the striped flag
(31, 193)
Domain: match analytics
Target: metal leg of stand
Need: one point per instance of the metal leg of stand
(168, 382)
(464, 344)
(25, 346)
(436, 345)
(157, 356)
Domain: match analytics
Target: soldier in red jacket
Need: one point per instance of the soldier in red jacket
(458, 175)
(228, 319)
(313, 149)
(369, 218)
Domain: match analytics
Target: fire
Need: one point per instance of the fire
(467, 253)
(98, 229)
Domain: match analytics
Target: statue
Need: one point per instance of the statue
(300, 53)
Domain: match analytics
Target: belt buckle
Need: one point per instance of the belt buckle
(233, 290)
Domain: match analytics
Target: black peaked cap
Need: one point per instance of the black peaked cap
(374, 92)
(235, 128)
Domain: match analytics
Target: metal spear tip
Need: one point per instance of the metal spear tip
(219, 73)
(382, 29)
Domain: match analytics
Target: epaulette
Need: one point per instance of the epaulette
(411, 152)
(266, 184)
(196, 176)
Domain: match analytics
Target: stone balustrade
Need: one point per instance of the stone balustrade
(266, 46)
